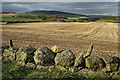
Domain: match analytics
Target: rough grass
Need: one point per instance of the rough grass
(20, 19)
(106, 20)
(10, 72)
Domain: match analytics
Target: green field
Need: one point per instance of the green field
(19, 19)
(106, 20)
(51, 16)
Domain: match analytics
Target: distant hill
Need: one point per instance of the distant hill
(6, 12)
(97, 15)
(56, 13)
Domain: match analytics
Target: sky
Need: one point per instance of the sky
(60, 0)
(85, 8)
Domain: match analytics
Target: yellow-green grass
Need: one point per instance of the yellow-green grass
(19, 19)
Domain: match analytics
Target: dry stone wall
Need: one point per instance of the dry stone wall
(45, 59)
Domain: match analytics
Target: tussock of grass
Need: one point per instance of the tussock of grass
(10, 72)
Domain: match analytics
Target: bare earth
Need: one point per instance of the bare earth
(9, 14)
(75, 36)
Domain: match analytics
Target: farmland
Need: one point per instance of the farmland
(75, 36)
(54, 16)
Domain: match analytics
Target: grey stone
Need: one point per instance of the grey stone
(85, 72)
(65, 58)
(25, 54)
(20, 63)
(9, 55)
(44, 56)
(30, 65)
(89, 51)
(42, 68)
(79, 61)
(107, 59)
(94, 63)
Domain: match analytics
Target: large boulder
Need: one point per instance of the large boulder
(115, 63)
(21, 56)
(25, 54)
(89, 73)
(44, 56)
(107, 59)
(65, 58)
(79, 61)
(94, 63)
(112, 63)
(9, 55)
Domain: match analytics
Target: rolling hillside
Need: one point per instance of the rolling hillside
(55, 13)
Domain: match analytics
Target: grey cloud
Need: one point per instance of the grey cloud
(60, 0)
(72, 7)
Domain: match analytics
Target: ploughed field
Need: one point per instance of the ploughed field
(74, 36)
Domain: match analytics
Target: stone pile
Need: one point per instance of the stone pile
(45, 59)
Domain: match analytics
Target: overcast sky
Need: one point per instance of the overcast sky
(87, 8)
(60, 0)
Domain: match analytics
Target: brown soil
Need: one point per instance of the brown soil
(9, 14)
(75, 36)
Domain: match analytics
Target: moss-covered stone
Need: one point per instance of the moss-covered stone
(55, 49)
(79, 61)
(114, 66)
(116, 75)
(26, 54)
(21, 56)
(85, 72)
(65, 58)
(30, 65)
(107, 59)
(89, 73)
(94, 63)
(20, 63)
(61, 68)
(73, 69)
(115, 59)
(9, 55)
(44, 56)
(89, 51)
(118, 55)
(4, 47)
(107, 68)
(42, 68)
(51, 68)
